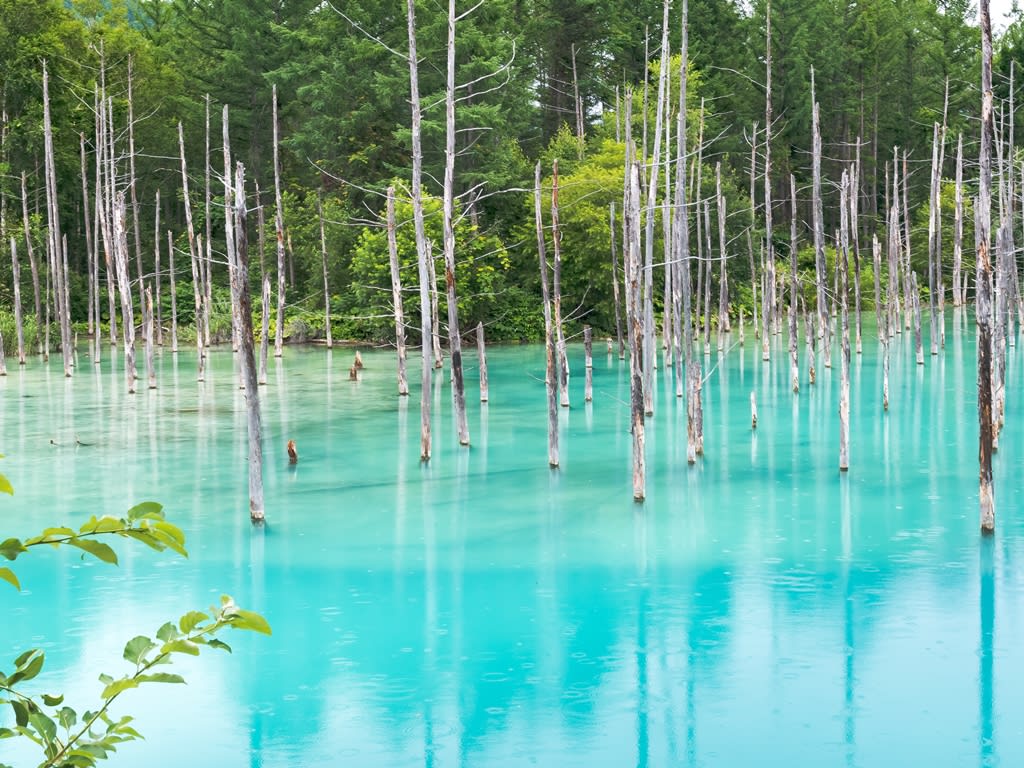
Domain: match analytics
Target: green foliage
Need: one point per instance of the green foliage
(70, 738)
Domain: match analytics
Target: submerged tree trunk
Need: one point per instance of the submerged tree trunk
(264, 330)
(551, 352)
(423, 257)
(148, 331)
(194, 254)
(327, 288)
(124, 286)
(55, 239)
(240, 287)
(481, 352)
(958, 223)
(556, 247)
(635, 322)
(588, 389)
(448, 216)
(842, 266)
(794, 362)
(18, 324)
(615, 284)
(983, 283)
(174, 293)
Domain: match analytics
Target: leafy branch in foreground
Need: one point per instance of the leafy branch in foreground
(72, 740)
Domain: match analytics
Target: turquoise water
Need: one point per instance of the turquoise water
(758, 609)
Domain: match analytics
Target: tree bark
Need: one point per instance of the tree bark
(556, 247)
(958, 224)
(327, 287)
(396, 292)
(588, 388)
(481, 352)
(983, 307)
(193, 249)
(615, 283)
(16, 279)
(794, 362)
(174, 293)
(551, 351)
(279, 227)
(124, 286)
(842, 258)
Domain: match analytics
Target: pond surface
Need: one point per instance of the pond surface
(758, 609)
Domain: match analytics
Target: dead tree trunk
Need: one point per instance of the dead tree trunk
(434, 309)
(279, 228)
(194, 255)
(327, 287)
(136, 229)
(842, 258)
(422, 247)
(723, 281)
(794, 362)
(240, 285)
(174, 293)
(229, 231)
(753, 223)
(820, 265)
(264, 330)
(958, 223)
(18, 324)
(551, 352)
(556, 247)
(156, 274)
(448, 217)
(55, 240)
(769, 253)
(855, 238)
(634, 319)
(32, 265)
(205, 257)
(615, 284)
(983, 283)
(481, 352)
(93, 322)
(148, 334)
(588, 389)
(934, 234)
(124, 286)
(396, 292)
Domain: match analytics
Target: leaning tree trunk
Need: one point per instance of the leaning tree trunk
(240, 287)
(551, 351)
(396, 292)
(983, 283)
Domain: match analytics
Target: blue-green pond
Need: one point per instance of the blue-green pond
(758, 608)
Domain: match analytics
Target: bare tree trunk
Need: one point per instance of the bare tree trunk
(723, 281)
(229, 232)
(588, 388)
(327, 288)
(448, 216)
(820, 265)
(983, 283)
(32, 265)
(124, 286)
(194, 253)
(556, 244)
(842, 258)
(794, 362)
(279, 225)
(707, 280)
(53, 220)
(753, 410)
(934, 234)
(264, 331)
(876, 266)
(148, 335)
(156, 272)
(911, 304)
(482, 356)
(136, 230)
(396, 292)
(769, 260)
(634, 319)
(99, 224)
(93, 322)
(434, 308)
(174, 293)
(551, 351)
(958, 223)
(615, 284)
(16, 278)
(205, 258)
(424, 258)
(855, 236)
(753, 222)
(240, 286)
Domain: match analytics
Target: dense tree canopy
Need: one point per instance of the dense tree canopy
(882, 70)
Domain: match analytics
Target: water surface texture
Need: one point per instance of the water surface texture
(759, 608)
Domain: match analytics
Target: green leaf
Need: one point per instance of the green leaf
(191, 620)
(8, 575)
(43, 725)
(20, 661)
(28, 669)
(5, 485)
(242, 619)
(7, 733)
(148, 510)
(137, 648)
(67, 717)
(11, 548)
(147, 538)
(167, 632)
(160, 677)
(215, 643)
(97, 549)
(52, 701)
(169, 535)
(182, 645)
(20, 713)
(116, 687)
(105, 524)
